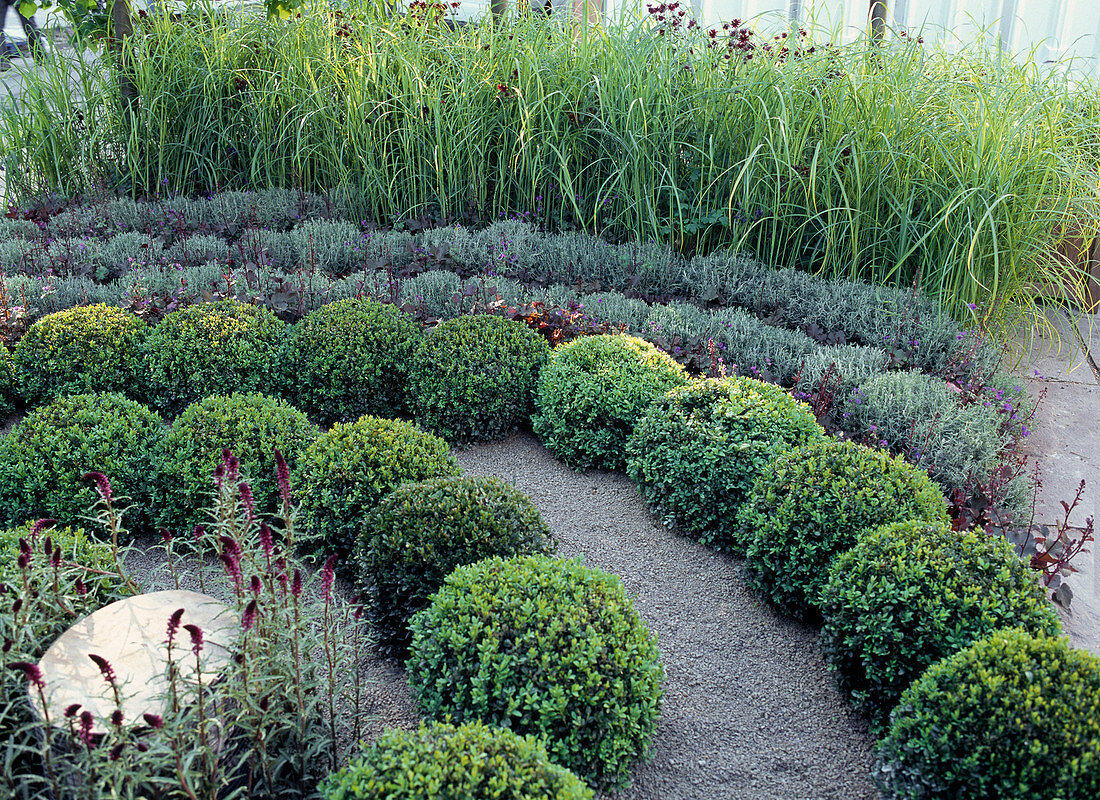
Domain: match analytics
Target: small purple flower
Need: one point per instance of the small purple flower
(232, 568)
(104, 666)
(296, 584)
(266, 539)
(174, 624)
(246, 498)
(102, 485)
(328, 575)
(196, 637)
(116, 751)
(248, 619)
(31, 672)
(165, 535)
(86, 723)
(255, 585)
(154, 721)
(70, 710)
(116, 717)
(41, 525)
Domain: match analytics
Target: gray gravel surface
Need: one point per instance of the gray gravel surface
(750, 711)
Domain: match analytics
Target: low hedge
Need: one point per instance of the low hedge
(420, 532)
(92, 348)
(448, 762)
(911, 593)
(544, 647)
(347, 470)
(473, 378)
(252, 426)
(212, 348)
(44, 458)
(698, 449)
(592, 393)
(351, 358)
(1012, 717)
(813, 503)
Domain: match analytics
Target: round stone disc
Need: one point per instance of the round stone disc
(132, 635)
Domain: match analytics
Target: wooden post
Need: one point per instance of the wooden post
(122, 28)
(876, 19)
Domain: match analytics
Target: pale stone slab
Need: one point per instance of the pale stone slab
(132, 635)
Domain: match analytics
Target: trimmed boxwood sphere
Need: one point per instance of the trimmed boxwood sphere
(76, 546)
(212, 348)
(473, 378)
(420, 532)
(813, 503)
(351, 358)
(86, 349)
(252, 426)
(909, 594)
(8, 390)
(44, 458)
(347, 470)
(545, 647)
(592, 393)
(698, 449)
(1013, 717)
(448, 762)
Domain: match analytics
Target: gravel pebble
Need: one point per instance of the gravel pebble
(750, 711)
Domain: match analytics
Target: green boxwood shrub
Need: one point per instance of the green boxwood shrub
(592, 393)
(44, 458)
(813, 503)
(473, 379)
(544, 647)
(85, 349)
(448, 762)
(698, 449)
(76, 546)
(212, 348)
(346, 471)
(351, 358)
(911, 593)
(419, 533)
(252, 426)
(8, 390)
(1012, 717)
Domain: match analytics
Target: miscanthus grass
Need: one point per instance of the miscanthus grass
(894, 162)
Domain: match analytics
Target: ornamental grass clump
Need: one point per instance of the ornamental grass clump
(813, 503)
(698, 449)
(454, 762)
(211, 348)
(86, 349)
(592, 393)
(420, 532)
(1012, 717)
(253, 426)
(44, 458)
(545, 647)
(344, 473)
(911, 593)
(473, 378)
(351, 358)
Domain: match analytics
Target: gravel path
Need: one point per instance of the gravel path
(750, 711)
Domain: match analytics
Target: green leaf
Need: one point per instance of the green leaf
(27, 8)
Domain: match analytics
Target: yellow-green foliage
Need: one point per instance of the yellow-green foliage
(473, 378)
(212, 348)
(351, 358)
(1013, 717)
(592, 393)
(814, 502)
(911, 593)
(84, 349)
(698, 449)
(448, 762)
(348, 469)
(547, 647)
